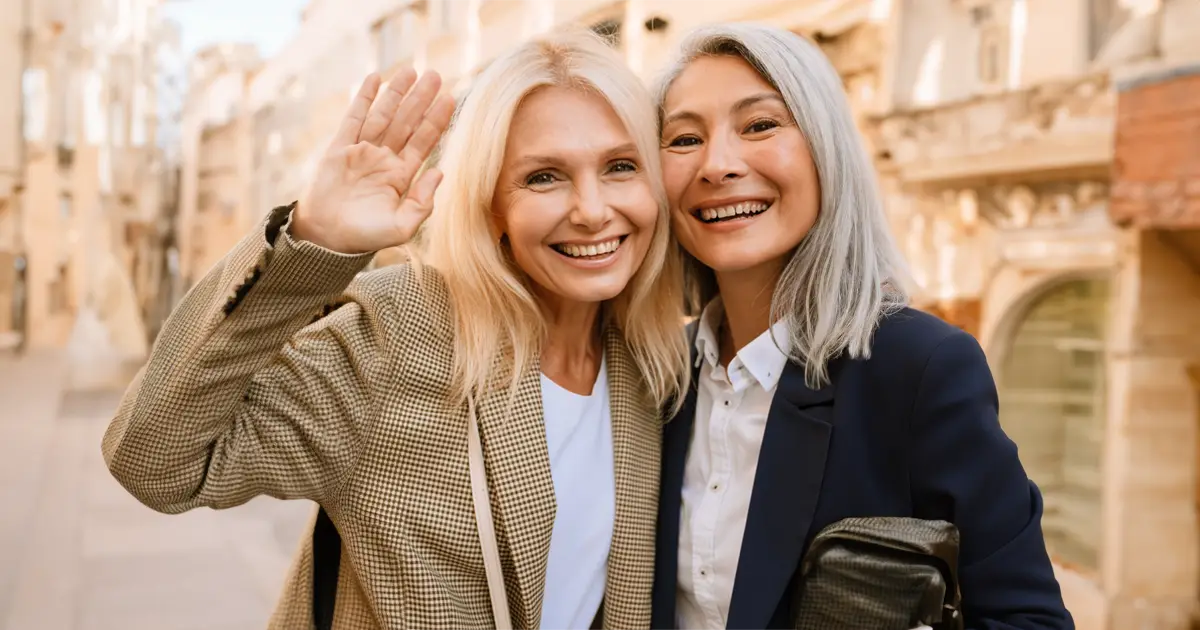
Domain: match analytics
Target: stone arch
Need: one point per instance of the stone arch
(1010, 293)
(1050, 361)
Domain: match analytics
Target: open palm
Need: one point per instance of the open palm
(362, 197)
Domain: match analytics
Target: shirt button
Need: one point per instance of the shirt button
(716, 486)
(726, 403)
(703, 572)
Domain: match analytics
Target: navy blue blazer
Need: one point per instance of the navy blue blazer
(912, 431)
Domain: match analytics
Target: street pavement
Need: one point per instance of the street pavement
(78, 553)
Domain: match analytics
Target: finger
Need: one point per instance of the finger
(356, 114)
(418, 203)
(384, 109)
(408, 116)
(426, 137)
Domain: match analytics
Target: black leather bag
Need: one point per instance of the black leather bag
(881, 573)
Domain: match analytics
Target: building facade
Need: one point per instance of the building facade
(1024, 146)
(1040, 161)
(82, 197)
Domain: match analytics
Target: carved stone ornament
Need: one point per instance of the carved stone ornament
(1053, 204)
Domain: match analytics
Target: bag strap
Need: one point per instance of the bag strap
(483, 520)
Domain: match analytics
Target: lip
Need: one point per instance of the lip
(729, 201)
(595, 241)
(732, 225)
(592, 264)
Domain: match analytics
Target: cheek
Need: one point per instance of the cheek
(638, 205)
(677, 173)
(789, 166)
(527, 224)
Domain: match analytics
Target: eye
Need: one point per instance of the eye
(684, 141)
(759, 126)
(623, 166)
(541, 178)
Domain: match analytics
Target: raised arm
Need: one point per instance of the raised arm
(263, 378)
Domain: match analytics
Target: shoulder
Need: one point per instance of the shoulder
(411, 303)
(909, 345)
(910, 337)
(409, 289)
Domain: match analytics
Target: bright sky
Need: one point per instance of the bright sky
(267, 23)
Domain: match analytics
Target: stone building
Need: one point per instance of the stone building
(215, 208)
(1037, 158)
(1040, 161)
(81, 201)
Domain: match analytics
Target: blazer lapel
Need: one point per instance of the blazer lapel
(677, 436)
(522, 491)
(636, 449)
(791, 465)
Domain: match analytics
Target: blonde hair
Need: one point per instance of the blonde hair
(496, 312)
(847, 274)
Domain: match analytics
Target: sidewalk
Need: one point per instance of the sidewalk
(78, 553)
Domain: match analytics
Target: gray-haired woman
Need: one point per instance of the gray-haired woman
(819, 395)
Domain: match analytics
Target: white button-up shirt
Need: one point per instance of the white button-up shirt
(731, 414)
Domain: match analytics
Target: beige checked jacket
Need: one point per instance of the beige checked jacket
(282, 373)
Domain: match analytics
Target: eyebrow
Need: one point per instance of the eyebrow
(742, 104)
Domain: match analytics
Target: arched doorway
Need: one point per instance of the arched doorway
(1052, 404)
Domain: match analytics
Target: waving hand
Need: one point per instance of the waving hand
(362, 197)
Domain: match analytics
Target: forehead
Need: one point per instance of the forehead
(714, 81)
(553, 118)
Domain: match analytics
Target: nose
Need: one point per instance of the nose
(722, 161)
(590, 210)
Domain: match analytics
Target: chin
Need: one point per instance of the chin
(733, 261)
(593, 292)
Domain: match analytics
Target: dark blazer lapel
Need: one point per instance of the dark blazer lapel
(677, 436)
(522, 491)
(636, 449)
(791, 465)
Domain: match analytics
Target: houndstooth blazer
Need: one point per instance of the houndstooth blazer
(284, 374)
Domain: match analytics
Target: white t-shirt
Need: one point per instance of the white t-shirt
(579, 437)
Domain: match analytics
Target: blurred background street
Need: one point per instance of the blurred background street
(78, 553)
(1039, 162)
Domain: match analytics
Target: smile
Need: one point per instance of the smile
(586, 251)
(741, 210)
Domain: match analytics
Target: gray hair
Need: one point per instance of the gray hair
(847, 274)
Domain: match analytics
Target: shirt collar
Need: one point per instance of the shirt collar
(764, 358)
(708, 346)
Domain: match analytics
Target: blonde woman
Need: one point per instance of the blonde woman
(545, 312)
(820, 396)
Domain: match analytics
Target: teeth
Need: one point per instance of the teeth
(746, 207)
(597, 249)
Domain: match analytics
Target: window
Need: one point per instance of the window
(991, 56)
(992, 48)
(448, 12)
(1105, 18)
(33, 87)
(141, 113)
(395, 39)
(380, 33)
(59, 293)
(116, 125)
(1052, 390)
(94, 123)
(68, 122)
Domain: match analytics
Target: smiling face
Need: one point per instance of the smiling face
(572, 198)
(741, 182)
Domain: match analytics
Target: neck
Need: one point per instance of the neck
(746, 296)
(571, 351)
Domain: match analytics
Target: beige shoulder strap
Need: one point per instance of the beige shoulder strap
(483, 520)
